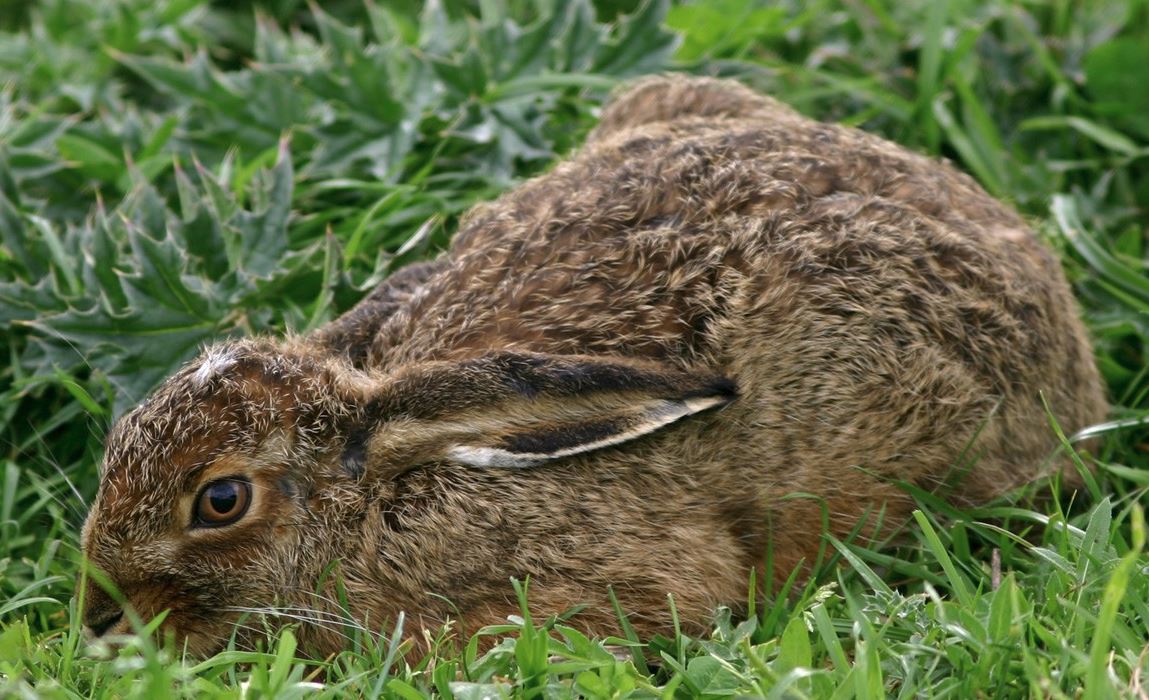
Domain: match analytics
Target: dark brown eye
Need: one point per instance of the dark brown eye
(222, 502)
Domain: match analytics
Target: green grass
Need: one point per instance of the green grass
(177, 170)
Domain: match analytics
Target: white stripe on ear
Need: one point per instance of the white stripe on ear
(657, 414)
(493, 457)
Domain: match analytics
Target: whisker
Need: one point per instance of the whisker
(304, 614)
(71, 485)
(337, 616)
(51, 332)
(314, 594)
(329, 602)
(324, 623)
(74, 513)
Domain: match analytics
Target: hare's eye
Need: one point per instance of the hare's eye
(222, 502)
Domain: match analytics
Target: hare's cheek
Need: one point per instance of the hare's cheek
(196, 613)
(201, 635)
(234, 569)
(202, 645)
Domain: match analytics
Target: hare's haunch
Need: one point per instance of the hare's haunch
(613, 379)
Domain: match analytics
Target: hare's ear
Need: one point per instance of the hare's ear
(521, 410)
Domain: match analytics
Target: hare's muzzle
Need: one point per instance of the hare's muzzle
(101, 614)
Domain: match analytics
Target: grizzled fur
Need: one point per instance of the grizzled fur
(615, 377)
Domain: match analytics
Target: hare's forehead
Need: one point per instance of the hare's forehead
(164, 442)
(145, 480)
(163, 429)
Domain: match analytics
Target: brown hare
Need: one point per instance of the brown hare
(613, 379)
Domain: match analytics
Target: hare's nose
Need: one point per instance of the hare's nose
(102, 621)
(101, 611)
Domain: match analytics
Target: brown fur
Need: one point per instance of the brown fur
(541, 400)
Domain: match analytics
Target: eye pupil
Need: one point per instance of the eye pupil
(222, 502)
(223, 497)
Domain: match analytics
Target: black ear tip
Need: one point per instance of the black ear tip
(354, 457)
(726, 386)
(719, 386)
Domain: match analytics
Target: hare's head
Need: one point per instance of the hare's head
(205, 489)
(249, 471)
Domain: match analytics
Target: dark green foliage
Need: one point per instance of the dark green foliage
(176, 171)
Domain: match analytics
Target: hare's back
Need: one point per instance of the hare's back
(650, 236)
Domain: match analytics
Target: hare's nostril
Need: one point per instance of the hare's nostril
(105, 623)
